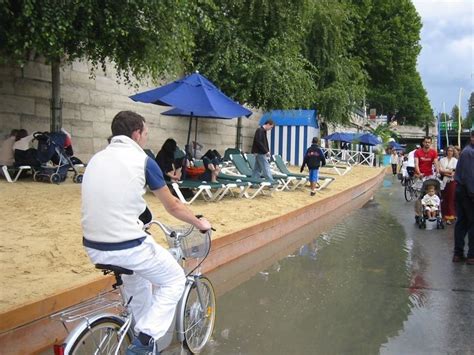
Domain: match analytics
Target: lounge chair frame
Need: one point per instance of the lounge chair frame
(16, 170)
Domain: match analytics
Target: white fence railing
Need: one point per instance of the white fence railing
(350, 157)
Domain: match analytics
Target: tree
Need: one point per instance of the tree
(389, 46)
(469, 120)
(329, 46)
(252, 49)
(455, 113)
(139, 37)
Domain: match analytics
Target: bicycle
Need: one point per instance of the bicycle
(412, 188)
(103, 331)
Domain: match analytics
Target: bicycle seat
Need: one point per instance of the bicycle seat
(115, 269)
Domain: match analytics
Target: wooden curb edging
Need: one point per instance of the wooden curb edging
(28, 328)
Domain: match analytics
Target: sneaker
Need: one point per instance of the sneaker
(312, 193)
(137, 348)
(458, 258)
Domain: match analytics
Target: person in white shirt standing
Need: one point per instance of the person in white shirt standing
(411, 161)
(112, 202)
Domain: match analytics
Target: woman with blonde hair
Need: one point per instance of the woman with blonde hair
(447, 167)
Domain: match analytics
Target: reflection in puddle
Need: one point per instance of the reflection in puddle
(346, 290)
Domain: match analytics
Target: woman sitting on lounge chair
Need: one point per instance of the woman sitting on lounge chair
(24, 153)
(211, 163)
(170, 167)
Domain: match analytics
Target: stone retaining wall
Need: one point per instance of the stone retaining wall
(89, 104)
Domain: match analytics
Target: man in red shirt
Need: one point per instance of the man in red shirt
(425, 157)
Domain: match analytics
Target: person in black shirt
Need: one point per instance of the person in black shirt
(262, 152)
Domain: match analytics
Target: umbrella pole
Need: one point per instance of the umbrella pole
(195, 137)
(189, 129)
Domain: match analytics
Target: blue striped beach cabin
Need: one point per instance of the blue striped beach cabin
(292, 134)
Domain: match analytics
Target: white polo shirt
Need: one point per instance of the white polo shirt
(112, 191)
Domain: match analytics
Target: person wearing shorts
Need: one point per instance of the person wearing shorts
(314, 159)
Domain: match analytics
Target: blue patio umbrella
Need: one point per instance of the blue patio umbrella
(339, 137)
(396, 146)
(193, 96)
(369, 139)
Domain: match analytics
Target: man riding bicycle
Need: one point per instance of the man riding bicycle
(112, 202)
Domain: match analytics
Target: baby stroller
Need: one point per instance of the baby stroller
(55, 162)
(422, 217)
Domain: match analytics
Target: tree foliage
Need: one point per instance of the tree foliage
(140, 37)
(390, 47)
(253, 51)
(324, 54)
(469, 120)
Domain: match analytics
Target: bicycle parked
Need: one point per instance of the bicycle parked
(104, 331)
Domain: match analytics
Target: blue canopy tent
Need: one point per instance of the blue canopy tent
(340, 137)
(292, 134)
(369, 139)
(396, 146)
(193, 96)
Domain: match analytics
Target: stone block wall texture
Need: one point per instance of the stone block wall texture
(90, 103)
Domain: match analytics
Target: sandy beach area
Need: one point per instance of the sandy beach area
(40, 239)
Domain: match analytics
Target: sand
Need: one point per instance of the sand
(40, 237)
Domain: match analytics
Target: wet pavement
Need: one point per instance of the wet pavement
(374, 283)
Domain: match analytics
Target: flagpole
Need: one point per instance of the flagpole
(445, 124)
(459, 119)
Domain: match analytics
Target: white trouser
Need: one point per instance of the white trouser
(156, 285)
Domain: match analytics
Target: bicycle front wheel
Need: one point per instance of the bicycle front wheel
(199, 315)
(408, 193)
(101, 337)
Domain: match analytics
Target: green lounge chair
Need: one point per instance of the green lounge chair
(246, 167)
(280, 164)
(339, 167)
(210, 191)
(258, 186)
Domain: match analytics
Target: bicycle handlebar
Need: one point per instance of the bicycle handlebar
(168, 231)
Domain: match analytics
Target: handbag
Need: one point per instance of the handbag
(193, 172)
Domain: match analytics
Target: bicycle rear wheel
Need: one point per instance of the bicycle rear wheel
(199, 316)
(101, 337)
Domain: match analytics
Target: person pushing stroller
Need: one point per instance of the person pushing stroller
(431, 202)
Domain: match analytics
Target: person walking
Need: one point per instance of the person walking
(425, 158)
(394, 161)
(447, 167)
(262, 152)
(314, 159)
(464, 177)
(112, 202)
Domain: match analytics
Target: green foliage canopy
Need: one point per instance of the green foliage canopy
(140, 37)
(324, 54)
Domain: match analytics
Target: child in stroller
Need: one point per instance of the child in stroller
(430, 204)
(51, 148)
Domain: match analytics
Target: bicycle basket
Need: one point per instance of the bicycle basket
(194, 246)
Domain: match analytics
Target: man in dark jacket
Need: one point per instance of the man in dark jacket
(262, 152)
(314, 159)
(465, 204)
